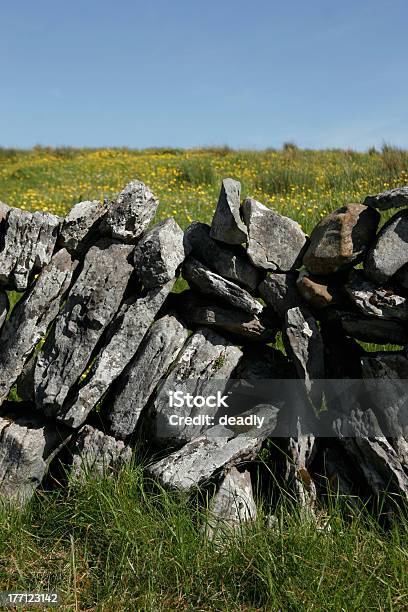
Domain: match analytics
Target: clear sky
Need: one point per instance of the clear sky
(188, 73)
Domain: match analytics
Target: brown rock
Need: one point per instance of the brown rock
(317, 291)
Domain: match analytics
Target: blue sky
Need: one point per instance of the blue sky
(188, 73)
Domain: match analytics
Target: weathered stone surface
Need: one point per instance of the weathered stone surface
(131, 213)
(159, 254)
(31, 318)
(317, 291)
(93, 452)
(207, 455)
(300, 452)
(392, 198)
(159, 349)
(341, 239)
(27, 445)
(205, 356)
(227, 225)
(4, 307)
(232, 506)
(80, 226)
(369, 329)
(197, 311)
(375, 301)
(275, 242)
(390, 251)
(124, 337)
(27, 246)
(230, 262)
(91, 304)
(305, 345)
(279, 291)
(208, 282)
(25, 382)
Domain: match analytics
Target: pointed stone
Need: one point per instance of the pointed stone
(206, 281)
(123, 339)
(130, 213)
(227, 225)
(229, 262)
(279, 291)
(341, 239)
(159, 254)
(159, 349)
(91, 304)
(392, 198)
(31, 317)
(389, 253)
(28, 244)
(80, 226)
(275, 242)
(94, 453)
(375, 301)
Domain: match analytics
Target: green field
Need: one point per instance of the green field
(119, 544)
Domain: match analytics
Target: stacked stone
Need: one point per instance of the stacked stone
(99, 332)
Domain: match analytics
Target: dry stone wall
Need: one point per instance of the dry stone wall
(98, 332)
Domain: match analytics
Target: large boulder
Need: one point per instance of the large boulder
(275, 242)
(392, 198)
(210, 283)
(227, 225)
(91, 304)
(159, 254)
(231, 262)
(389, 253)
(130, 213)
(341, 239)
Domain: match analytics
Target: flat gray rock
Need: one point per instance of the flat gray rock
(210, 283)
(206, 357)
(279, 291)
(389, 253)
(131, 213)
(227, 225)
(124, 337)
(29, 242)
(91, 304)
(369, 329)
(159, 349)
(392, 198)
(94, 453)
(31, 318)
(199, 312)
(159, 254)
(304, 344)
(4, 307)
(232, 506)
(230, 262)
(80, 226)
(27, 446)
(373, 300)
(275, 242)
(341, 239)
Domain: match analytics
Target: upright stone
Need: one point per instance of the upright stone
(159, 254)
(94, 453)
(210, 283)
(275, 242)
(124, 337)
(91, 304)
(159, 349)
(392, 198)
(27, 246)
(80, 226)
(231, 262)
(341, 239)
(131, 213)
(389, 253)
(227, 225)
(31, 318)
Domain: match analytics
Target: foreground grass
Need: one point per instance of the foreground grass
(112, 545)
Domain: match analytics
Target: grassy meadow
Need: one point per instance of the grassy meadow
(118, 544)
